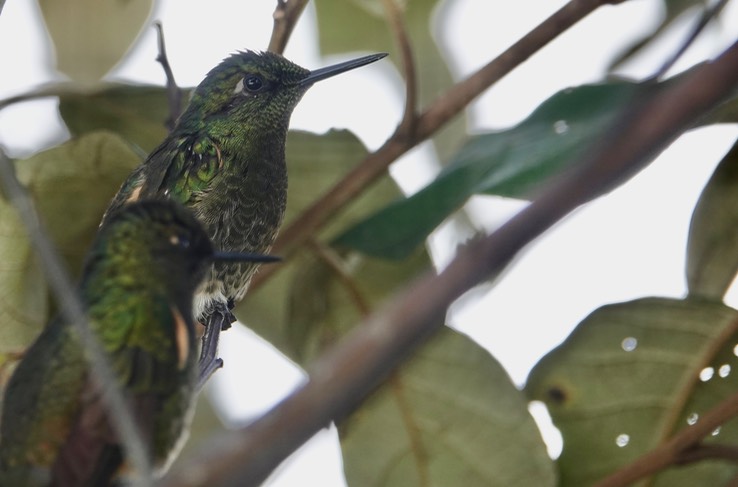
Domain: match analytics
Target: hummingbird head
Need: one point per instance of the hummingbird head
(156, 247)
(256, 90)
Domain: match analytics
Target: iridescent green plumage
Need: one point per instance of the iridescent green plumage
(225, 159)
(137, 288)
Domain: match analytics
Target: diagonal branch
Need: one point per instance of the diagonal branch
(285, 17)
(373, 349)
(674, 451)
(445, 107)
(72, 310)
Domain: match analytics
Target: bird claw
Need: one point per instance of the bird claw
(220, 319)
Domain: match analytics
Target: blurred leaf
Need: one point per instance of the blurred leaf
(712, 260)
(630, 373)
(673, 10)
(509, 163)
(135, 112)
(2, 4)
(451, 416)
(71, 185)
(91, 36)
(323, 293)
(368, 31)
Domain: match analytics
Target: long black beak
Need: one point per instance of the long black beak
(329, 71)
(243, 257)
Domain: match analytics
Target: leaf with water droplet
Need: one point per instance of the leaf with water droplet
(597, 391)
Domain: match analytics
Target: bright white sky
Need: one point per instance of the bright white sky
(623, 246)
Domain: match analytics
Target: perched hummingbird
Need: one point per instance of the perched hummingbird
(225, 159)
(137, 288)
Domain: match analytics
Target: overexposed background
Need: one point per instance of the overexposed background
(628, 244)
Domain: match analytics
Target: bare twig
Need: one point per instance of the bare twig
(285, 16)
(373, 349)
(446, 107)
(705, 19)
(174, 93)
(704, 451)
(72, 311)
(397, 24)
(672, 451)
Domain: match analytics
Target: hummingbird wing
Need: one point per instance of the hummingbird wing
(41, 400)
(180, 168)
(151, 359)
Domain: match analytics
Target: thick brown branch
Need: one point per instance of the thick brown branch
(285, 17)
(446, 107)
(369, 353)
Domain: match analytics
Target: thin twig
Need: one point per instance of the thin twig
(174, 92)
(397, 25)
(705, 451)
(705, 19)
(72, 311)
(670, 452)
(374, 348)
(285, 17)
(334, 262)
(440, 112)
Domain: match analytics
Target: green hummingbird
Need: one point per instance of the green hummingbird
(225, 159)
(137, 288)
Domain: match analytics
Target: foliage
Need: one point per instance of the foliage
(450, 414)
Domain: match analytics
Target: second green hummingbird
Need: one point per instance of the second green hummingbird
(225, 159)
(137, 289)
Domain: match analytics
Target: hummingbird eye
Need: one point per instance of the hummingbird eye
(179, 240)
(253, 83)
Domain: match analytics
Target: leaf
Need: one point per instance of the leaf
(71, 186)
(509, 163)
(135, 112)
(91, 36)
(368, 31)
(673, 10)
(629, 373)
(451, 416)
(712, 260)
(446, 391)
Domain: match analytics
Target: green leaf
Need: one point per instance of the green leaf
(91, 36)
(508, 163)
(135, 112)
(323, 293)
(630, 372)
(71, 186)
(368, 31)
(712, 260)
(451, 416)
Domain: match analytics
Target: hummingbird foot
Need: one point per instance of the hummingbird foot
(219, 319)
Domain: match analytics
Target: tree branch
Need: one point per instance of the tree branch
(441, 111)
(368, 354)
(397, 25)
(72, 311)
(674, 450)
(285, 17)
(174, 93)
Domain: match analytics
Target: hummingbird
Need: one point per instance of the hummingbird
(225, 160)
(137, 289)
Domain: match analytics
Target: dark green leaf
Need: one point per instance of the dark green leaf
(712, 260)
(508, 163)
(628, 378)
(91, 36)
